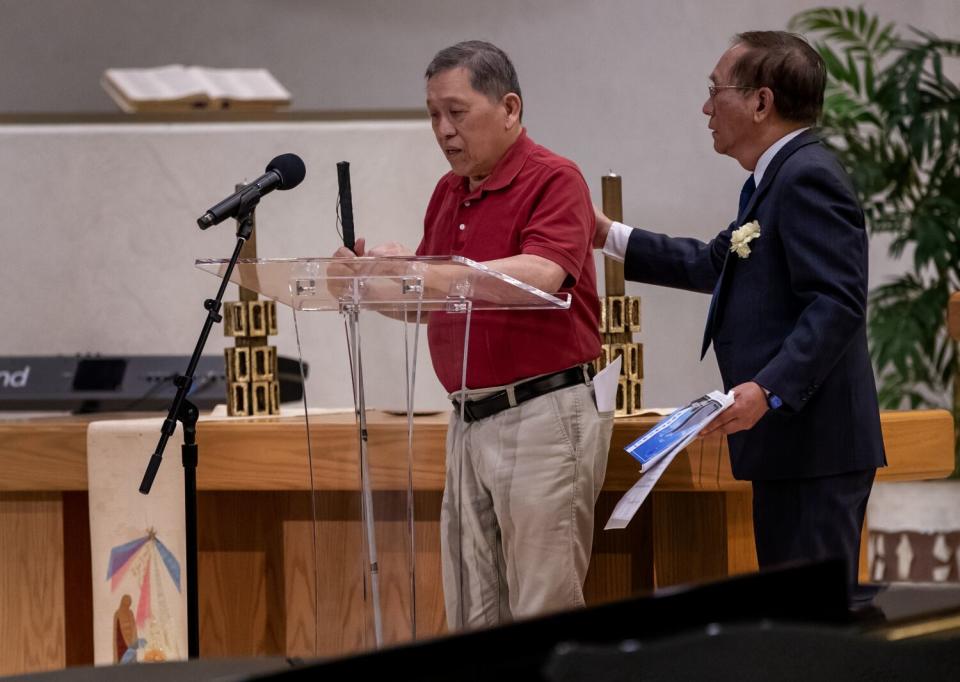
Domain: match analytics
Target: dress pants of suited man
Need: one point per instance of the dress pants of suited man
(517, 515)
(806, 519)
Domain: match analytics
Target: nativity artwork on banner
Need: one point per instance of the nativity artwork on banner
(141, 574)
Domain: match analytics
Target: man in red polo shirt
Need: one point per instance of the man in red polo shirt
(526, 463)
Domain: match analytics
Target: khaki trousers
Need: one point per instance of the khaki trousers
(517, 515)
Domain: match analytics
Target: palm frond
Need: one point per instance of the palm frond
(892, 115)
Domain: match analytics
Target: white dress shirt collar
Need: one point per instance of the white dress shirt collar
(764, 161)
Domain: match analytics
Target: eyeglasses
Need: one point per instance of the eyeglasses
(714, 89)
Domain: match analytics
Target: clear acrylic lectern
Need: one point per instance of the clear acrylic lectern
(443, 292)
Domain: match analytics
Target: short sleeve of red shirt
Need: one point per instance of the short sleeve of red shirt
(561, 227)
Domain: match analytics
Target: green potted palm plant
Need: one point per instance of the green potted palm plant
(892, 114)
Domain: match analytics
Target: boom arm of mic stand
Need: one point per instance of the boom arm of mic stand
(248, 202)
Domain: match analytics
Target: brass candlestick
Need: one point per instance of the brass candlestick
(620, 315)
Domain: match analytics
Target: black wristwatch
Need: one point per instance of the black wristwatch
(773, 401)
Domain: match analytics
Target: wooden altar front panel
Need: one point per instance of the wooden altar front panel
(256, 572)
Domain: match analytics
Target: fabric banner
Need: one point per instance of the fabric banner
(138, 544)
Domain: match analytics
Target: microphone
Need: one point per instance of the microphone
(346, 203)
(284, 172)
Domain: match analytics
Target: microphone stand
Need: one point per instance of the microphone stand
(185, 412)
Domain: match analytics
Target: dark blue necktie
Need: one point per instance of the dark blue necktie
(748, 188)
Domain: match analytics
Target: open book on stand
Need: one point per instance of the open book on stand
(177, 88)
(655, 449)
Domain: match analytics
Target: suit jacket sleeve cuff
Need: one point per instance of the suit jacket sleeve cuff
(792, 394)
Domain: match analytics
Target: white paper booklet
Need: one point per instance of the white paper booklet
(658, 446)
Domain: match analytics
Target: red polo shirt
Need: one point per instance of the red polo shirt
(534, 202)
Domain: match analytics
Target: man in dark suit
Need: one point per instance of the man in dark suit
(787, 317)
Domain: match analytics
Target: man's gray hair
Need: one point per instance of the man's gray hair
(789, 66)
(491, 71)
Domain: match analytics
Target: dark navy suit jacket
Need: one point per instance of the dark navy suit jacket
(791, 316)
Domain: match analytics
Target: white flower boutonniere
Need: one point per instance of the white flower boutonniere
(742, 236)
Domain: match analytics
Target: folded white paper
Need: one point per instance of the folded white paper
(658, 446)
(605, 386)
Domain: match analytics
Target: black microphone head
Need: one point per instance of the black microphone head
(290, 168)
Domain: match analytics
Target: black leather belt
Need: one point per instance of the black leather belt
(524, 391)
